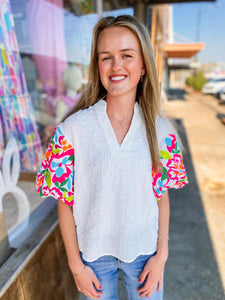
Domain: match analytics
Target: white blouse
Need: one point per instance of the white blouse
(112, 187)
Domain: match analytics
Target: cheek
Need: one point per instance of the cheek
(102, 70)
(102, 74)
(135, 65)
(135, 71)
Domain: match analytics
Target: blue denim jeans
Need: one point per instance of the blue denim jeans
(106, 269)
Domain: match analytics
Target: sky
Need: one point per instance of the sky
(202, 22)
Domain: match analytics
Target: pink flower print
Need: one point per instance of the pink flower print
(56, 174)
(60, 169)
(39, 181)
(176, 169)
(159, 183)
(170, 142)
(54, 192)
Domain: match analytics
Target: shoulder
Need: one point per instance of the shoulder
(82, 121)
(163, 128)
(78, 121)
(78, 117)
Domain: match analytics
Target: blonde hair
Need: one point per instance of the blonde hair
(148, 91)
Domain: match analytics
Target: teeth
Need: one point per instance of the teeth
(117, 77)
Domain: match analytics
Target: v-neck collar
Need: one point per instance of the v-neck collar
(100, 109)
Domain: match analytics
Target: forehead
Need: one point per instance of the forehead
(116, 38)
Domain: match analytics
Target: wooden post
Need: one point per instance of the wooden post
(4, 241)
(153, 26)
(140, 10)
(160, 66)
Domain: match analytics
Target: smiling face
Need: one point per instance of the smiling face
(120, 61)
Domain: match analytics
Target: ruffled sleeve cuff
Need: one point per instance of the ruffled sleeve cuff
(56, 174)
(172, 173)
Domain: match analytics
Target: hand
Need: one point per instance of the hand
(86, 282)
(152, 274)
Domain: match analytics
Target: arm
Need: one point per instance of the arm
(68, 231)
(163, 232)
(84, 276)
(154, 268)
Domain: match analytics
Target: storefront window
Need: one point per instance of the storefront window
(44, 58)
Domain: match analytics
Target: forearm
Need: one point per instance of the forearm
(163, 231)
(68, 231)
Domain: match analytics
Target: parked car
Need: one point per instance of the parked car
(222, 94)
(214, 85)
(217, 95)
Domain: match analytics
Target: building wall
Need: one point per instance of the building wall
(46, 276)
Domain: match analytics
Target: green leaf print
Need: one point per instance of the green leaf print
(164, 174)
(48, 180)
(176, 146)
(57, 184)
(71, 158)
(63, 183)
(165, 154)
(69, 199)
(56, 151)
(64, 194)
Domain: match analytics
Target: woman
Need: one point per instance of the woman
(111, 160)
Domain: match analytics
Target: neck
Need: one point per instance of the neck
(120, 108)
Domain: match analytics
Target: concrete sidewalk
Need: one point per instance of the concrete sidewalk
(195, 268)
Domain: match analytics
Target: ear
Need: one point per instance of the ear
(143, 70)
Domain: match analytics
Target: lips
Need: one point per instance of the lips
(117, 77)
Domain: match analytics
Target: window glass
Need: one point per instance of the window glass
(44, 59)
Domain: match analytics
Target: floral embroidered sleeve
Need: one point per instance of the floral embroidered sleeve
(172, 173)
(56, 174)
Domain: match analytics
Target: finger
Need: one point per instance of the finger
(93, 294)
(146, 285)
(142, 294)
(159, 285)
(143, 275)
(96, 282)
(149, 292)
(89, 295)
(148, 295)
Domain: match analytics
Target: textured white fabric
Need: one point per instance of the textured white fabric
(115, 209)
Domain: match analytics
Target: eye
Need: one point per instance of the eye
(106, 58)
(127, 56)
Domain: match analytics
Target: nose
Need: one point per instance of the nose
(116, 63)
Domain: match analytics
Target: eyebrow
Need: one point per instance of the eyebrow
(122, 50)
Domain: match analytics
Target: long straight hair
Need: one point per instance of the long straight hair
(148, 91)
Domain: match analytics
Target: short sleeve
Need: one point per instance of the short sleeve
(56, 174)
(172, 173)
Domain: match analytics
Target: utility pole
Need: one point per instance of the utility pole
(198, 29)
(99, 8)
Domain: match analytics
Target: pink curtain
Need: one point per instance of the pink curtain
(46, 30)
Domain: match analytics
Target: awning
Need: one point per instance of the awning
(152, 2)
(182, 50)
